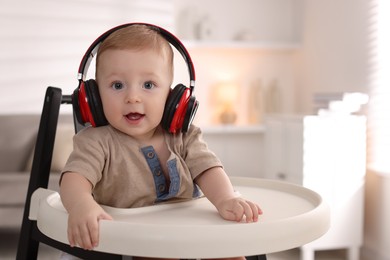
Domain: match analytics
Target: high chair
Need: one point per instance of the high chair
(30, 235)
(292, 216)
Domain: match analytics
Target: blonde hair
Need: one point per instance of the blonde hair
(137, 37)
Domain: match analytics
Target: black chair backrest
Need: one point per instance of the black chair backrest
(30, 236)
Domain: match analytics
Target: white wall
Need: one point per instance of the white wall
(262, 20)
(334, 53)
(42, 42)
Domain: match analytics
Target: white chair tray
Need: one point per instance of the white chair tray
(292, 216)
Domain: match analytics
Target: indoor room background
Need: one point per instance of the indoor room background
(261, 65)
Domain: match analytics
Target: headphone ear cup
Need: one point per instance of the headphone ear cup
(81, 106)
(76, 104)
(85, 101)
(95, 103)
(170, 106)
(192, 107)
(179, 109)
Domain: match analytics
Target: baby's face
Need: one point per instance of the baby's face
(134, 86)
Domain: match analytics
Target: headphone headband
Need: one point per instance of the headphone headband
(172, 39)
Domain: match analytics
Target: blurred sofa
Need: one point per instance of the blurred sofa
(17, 141)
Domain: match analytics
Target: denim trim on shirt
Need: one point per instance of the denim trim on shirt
(160, 182)
(196, 193)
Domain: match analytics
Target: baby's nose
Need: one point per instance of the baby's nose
(133, 96)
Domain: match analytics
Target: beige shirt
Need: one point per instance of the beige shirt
(122, 175)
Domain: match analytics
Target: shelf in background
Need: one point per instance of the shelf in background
(233, 129)
(240, 45)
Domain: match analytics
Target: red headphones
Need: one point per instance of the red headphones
(180, 107)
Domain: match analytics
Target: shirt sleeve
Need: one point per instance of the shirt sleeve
(197, 155)
(87, 157)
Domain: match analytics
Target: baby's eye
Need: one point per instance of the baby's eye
(117, 85)
(148, 85)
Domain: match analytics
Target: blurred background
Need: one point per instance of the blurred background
(267, 71)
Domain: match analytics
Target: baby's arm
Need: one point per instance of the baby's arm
(84, 212)
(217, 187)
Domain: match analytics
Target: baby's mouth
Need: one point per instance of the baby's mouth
(134, 116)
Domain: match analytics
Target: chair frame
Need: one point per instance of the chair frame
(30, 235)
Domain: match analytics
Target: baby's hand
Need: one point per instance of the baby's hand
(83, 225)
(236, 208)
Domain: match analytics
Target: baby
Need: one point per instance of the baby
(133, 161)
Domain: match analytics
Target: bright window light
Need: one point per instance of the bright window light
(379, 105)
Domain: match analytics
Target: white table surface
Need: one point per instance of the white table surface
(292, 216)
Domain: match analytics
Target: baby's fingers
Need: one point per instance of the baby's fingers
(238, 208)
(85, 238)
(252, 212)
(93, 228)
(247, 211)
(79, 236)
(71, 238)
